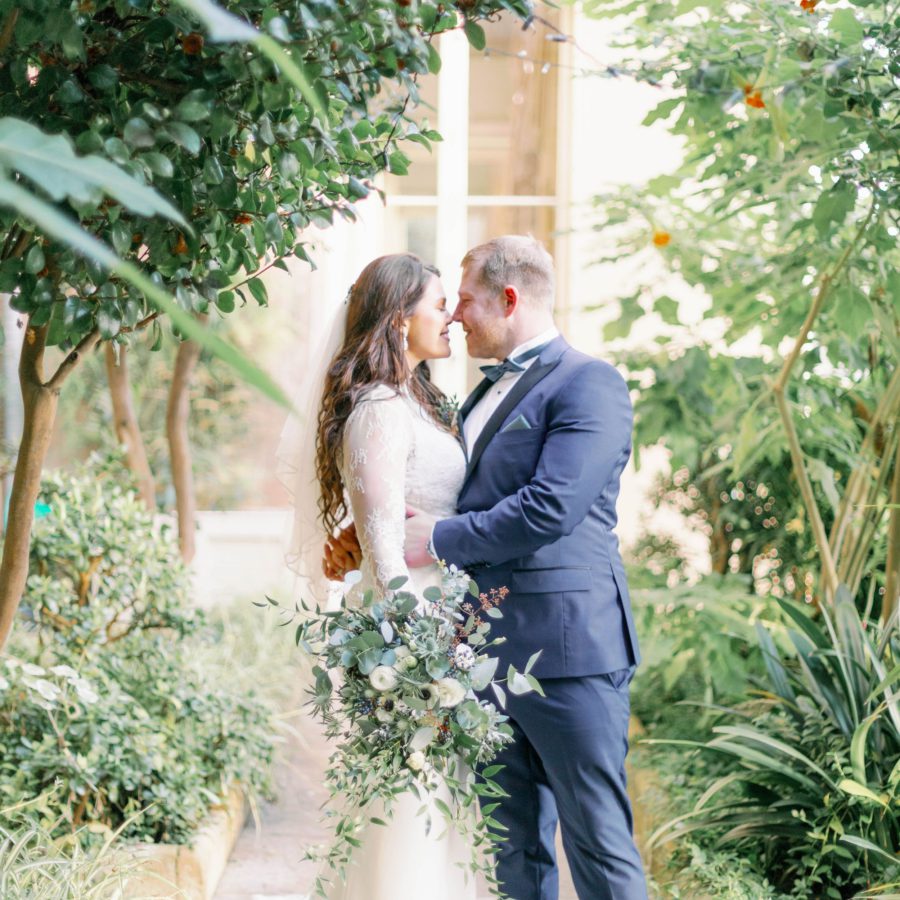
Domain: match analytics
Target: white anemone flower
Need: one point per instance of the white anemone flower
(450, 692)
(383, 678)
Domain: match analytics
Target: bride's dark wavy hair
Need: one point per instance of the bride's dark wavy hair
(386, 292)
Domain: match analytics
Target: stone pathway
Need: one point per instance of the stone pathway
(267, 861)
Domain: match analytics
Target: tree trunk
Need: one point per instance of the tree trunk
(177, 416)
(40, 402)
(892, 581)
(126, 425)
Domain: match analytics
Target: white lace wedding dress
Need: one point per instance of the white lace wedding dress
(394, 456)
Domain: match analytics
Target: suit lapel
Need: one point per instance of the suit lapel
(479, 391)
(545, 364)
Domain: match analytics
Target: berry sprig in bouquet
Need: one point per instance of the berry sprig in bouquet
(396, 678)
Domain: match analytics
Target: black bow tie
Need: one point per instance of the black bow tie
(496, 372)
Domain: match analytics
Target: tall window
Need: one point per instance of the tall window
(497, 170)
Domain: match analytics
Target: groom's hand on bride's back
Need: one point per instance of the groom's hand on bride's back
(419, 527)
(342, 554)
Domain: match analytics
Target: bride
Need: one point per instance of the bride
(383, 444)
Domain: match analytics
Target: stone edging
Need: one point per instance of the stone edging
(181, 872)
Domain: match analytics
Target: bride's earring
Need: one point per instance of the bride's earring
(405, 338)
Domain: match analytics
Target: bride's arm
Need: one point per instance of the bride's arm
(376, 444)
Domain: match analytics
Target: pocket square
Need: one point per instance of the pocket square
(519, 423)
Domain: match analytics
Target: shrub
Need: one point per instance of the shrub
(106, 696)
(100, 567)
(699, 647)
(813, 760)
(35, 866)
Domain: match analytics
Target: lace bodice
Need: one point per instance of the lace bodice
(394, 456)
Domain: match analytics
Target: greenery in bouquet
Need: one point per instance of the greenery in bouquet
(409, 710)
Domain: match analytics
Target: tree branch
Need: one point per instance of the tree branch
(147, 320)
(892, 582)
(826, 285)
(87, 343)
(885, 411)
(9, 26)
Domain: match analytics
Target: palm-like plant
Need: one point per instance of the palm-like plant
(814, 758)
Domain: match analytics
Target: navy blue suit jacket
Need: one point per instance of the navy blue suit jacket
(537, 511)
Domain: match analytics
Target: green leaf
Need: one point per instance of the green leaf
(398, 163)
(184, 136)
(858, 746)
(34, 259)
(891, 857)
(50, 162)
(849, 786)
(667, 309)
(620, 327)
(885, 683)
(108, 321)
(833, 206)
(662, 110)
(434, 59)
(159, 164)
(846, 27)
(260, 295)
(120, 235)
(192, 110)
(475, 33)
(137, 133)
(772, 744)
(225, 301)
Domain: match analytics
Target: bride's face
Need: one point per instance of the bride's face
(428, 328)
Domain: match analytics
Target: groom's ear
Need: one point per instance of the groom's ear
(510, 299)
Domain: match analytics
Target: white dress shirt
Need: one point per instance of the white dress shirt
(482, 411)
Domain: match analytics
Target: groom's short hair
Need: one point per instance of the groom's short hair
(515, 259)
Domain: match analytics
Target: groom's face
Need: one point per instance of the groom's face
(480, 311)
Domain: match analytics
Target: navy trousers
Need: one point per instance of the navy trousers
(568, 765)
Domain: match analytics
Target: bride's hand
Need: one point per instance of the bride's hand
(342, 554)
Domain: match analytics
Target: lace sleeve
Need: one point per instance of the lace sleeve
(377, 441)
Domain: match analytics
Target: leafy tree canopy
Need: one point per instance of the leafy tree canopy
(243, 155)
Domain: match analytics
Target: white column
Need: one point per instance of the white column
(564, 173)
(453, 189)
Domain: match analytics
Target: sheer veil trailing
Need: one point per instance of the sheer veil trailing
(296, 457)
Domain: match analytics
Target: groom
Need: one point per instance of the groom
(548, 432)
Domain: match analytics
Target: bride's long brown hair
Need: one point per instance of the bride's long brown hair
(386, 292)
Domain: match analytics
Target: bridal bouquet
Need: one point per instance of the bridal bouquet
(402, 710)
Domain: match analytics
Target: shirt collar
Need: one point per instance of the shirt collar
(543, 338)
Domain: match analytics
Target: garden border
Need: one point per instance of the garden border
(190, 871)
